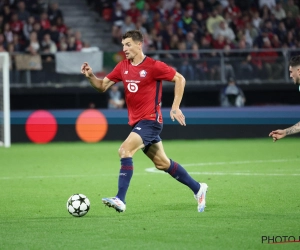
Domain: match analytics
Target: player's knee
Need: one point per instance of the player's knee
(123, 152)
(162, 165)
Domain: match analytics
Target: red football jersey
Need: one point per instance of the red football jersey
(142, 87)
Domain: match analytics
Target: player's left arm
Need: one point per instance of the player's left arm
(175, 112)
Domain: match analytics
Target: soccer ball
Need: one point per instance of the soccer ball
(78, 205)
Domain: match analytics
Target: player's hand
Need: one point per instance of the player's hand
(277, 134)
(178, 115)
(86, 70)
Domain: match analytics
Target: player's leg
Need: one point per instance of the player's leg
(157, 154)
(142, 134)
(126, 151)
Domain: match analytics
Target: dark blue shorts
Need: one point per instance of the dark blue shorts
(149, 131)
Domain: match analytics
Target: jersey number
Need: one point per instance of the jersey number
(132, 87)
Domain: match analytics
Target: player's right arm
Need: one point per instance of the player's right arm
(100, 85)
(280, 133)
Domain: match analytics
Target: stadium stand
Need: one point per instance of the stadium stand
(194, 28)
(59, 19)
(251, 20)
(210, 24)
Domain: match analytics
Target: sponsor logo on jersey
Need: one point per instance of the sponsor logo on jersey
(126, 72)
(138, 128)
(143, 73)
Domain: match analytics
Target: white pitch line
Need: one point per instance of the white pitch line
(238, 162)
(59, 176)
(245, 174)
(154, 170)
(40, 177)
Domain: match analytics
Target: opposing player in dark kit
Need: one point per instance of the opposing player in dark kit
(295, 75)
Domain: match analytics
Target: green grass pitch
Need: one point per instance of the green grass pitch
(254, 191)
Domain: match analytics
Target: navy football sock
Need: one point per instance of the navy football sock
(126, 172)
(181, 175)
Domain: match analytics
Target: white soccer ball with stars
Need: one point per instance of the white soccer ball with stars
(78, 205)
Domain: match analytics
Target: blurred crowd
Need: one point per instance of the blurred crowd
(205, 23)
(35, 27)
(190, 25)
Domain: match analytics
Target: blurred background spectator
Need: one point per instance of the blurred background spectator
(115, 100)
(232, 95)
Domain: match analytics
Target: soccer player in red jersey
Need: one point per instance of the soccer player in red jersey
(142, 77)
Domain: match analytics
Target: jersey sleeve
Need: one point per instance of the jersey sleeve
(115, 75)
(163, 72)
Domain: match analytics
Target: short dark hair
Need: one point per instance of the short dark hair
(136, 35)
(295, 61)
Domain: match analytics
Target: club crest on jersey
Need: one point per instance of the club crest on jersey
(143, 73)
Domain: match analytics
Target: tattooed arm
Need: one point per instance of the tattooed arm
(293, 130)
(280, 133)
